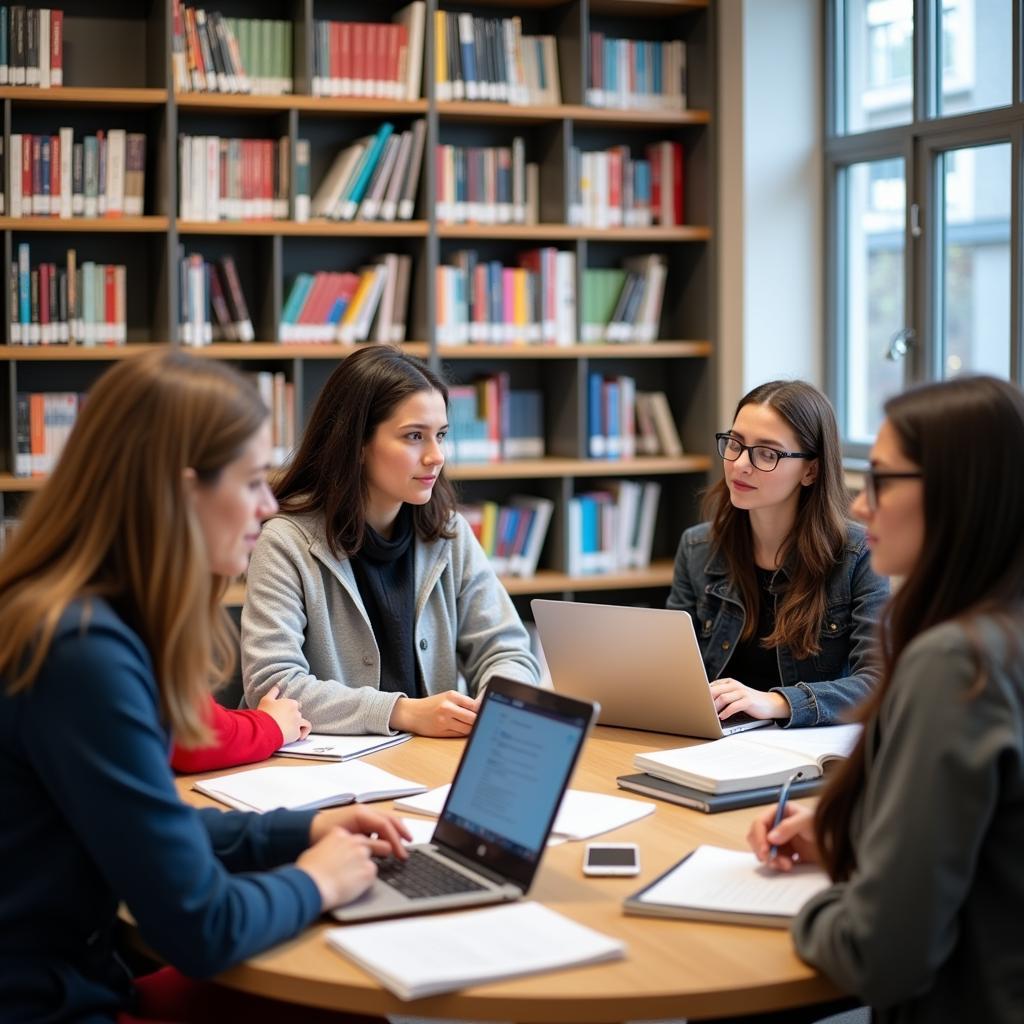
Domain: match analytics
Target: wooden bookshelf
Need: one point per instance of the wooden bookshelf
(136, 91)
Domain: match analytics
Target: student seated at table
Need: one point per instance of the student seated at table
(113, 632)
(921, 831)
(778, 581)
(369, 594)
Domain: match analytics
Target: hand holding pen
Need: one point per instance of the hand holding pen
(784, 835)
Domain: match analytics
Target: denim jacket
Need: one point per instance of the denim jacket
(821, 688)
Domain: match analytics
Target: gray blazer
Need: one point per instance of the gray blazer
(304, 627)
(929, 926)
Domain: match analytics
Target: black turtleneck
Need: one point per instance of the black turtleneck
(385, 575)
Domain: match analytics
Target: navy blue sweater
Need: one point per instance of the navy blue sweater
(91, 816)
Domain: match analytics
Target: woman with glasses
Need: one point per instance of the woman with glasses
(921, 829)
(777, 581)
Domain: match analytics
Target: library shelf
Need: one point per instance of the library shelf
(647, 8)
(153, 225)
(536, 469)
(229, 350)
(71, 96)
(483, 111)
(571, 232)
(545, 581)
(653, 350)
(327, 105)
(307, 229)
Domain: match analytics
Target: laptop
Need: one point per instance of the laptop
(642, 665)
(495, 824)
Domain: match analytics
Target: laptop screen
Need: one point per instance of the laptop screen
(514, 771)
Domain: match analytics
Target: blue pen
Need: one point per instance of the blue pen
(780, 809)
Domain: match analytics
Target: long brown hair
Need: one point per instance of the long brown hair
(967, 437)
(326, 477)
(815, 543)
(113, 521)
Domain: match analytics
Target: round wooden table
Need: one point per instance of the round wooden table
(672, 968)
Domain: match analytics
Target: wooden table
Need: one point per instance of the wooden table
(672, 968)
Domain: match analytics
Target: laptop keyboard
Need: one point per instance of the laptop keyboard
(422, 875)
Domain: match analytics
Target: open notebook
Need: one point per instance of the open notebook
(731, 886)
(765, 758)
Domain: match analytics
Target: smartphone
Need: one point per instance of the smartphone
(611, 859)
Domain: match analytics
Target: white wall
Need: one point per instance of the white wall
(770, 215)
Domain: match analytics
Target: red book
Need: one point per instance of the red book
(56, 47)
(268, 177)
(614, 198)
(109, 304)
(359, 59)
(55, 175)
(401, 59)
(677, 182)
(654, 159)
(372, 66)
(334, 52)
(383, 69)
(345, 58)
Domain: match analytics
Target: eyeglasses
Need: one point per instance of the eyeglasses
(872, 478)
(761, 456)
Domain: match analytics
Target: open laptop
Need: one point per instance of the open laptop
(495, 823)
(642, 665)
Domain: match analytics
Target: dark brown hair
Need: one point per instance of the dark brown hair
(326, 477)
(967, 437)
(815, 544)
(114, 521)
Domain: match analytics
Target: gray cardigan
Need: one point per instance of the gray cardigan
(930, 927)
(304, 627)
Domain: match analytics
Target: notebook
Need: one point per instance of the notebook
(425, 956)
(731, 886)
(339, 748)
(766, 758)
(711, 803)
(308, 788)
(642, 665)
(496, 820)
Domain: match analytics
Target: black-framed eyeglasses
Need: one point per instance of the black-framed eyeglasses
(761, 456)
(873, 477)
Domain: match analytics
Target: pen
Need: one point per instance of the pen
(774, 851)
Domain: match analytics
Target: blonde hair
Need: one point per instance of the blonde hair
(113, 521)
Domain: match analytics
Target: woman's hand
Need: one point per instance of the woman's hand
(793, 837)
(445, 714)
(340, 865)
(731, 697)
(285, 711)
(384, 831)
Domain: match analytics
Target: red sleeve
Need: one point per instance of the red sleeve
(241, 737)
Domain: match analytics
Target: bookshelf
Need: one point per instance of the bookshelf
(103, 89)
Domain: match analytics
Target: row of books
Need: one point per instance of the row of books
(31, 46)
(612, 528)
(74, 304)
(375, 178)
(511, 535)
(212, 306)
(635, 74)
(484, 58)
(232, 179)
(624, 304)
(349, 307)
(383, 60)
(489, 422)
(612, 189)
(211, 53)
(278, 394)
(42, 425)
(487, 302)
(623, 423)
(486, 185)
(102, 175)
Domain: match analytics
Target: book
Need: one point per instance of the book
(729, 886)
(339, 748)
(710, 803)
(423, 956)
(765, 758)
(307, 788)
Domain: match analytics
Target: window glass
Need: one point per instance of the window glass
(879, 62)
(976, 55)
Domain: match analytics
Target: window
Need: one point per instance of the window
(923, 153)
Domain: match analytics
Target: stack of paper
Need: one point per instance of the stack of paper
(582, 815)
(339, 748)
(422, 956)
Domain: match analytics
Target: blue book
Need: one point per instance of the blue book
(354, 193)
(337, 310)
(296, 299)
(5, 74)
(640, 71)
(597, 446)
(658, 70)
(496, 310)
(613, 413)
(468, 48)
(590, 515)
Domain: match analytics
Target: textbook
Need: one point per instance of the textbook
(423, 956)
(339, 748)
(712, 803)
(306, 789)
(729, 886)
(766, 757)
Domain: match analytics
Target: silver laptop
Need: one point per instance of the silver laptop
(495, 824)
(642, 665)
